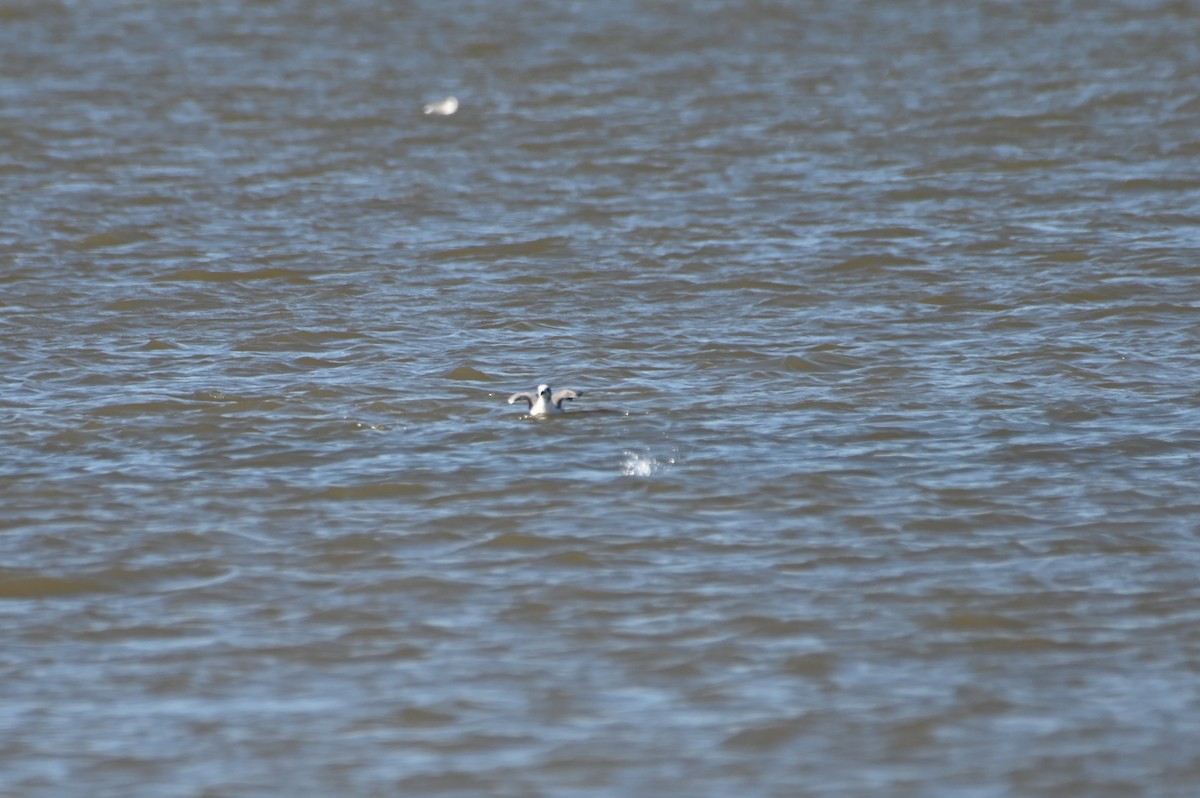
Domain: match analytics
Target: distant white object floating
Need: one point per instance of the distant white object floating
(444, 107)
(545, 401)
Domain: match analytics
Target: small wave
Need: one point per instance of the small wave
(38, 586)
(211, 276)
(466, 373)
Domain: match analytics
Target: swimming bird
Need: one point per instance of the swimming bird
(546, 401)
(445, 107)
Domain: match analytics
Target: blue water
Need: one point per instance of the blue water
(882, 478)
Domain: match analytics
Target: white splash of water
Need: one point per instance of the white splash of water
(641, 465)
(445, 107)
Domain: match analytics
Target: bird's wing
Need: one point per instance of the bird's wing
(566, 393)
(528, 397)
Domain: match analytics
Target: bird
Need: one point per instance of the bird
(545, 401)
(445, 107)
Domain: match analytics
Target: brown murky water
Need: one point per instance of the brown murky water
(883, 482)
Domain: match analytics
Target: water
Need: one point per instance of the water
(883, 482)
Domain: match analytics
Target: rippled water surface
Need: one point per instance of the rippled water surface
(883, 482)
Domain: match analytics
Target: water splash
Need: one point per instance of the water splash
(445, 107)
(641, 465)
